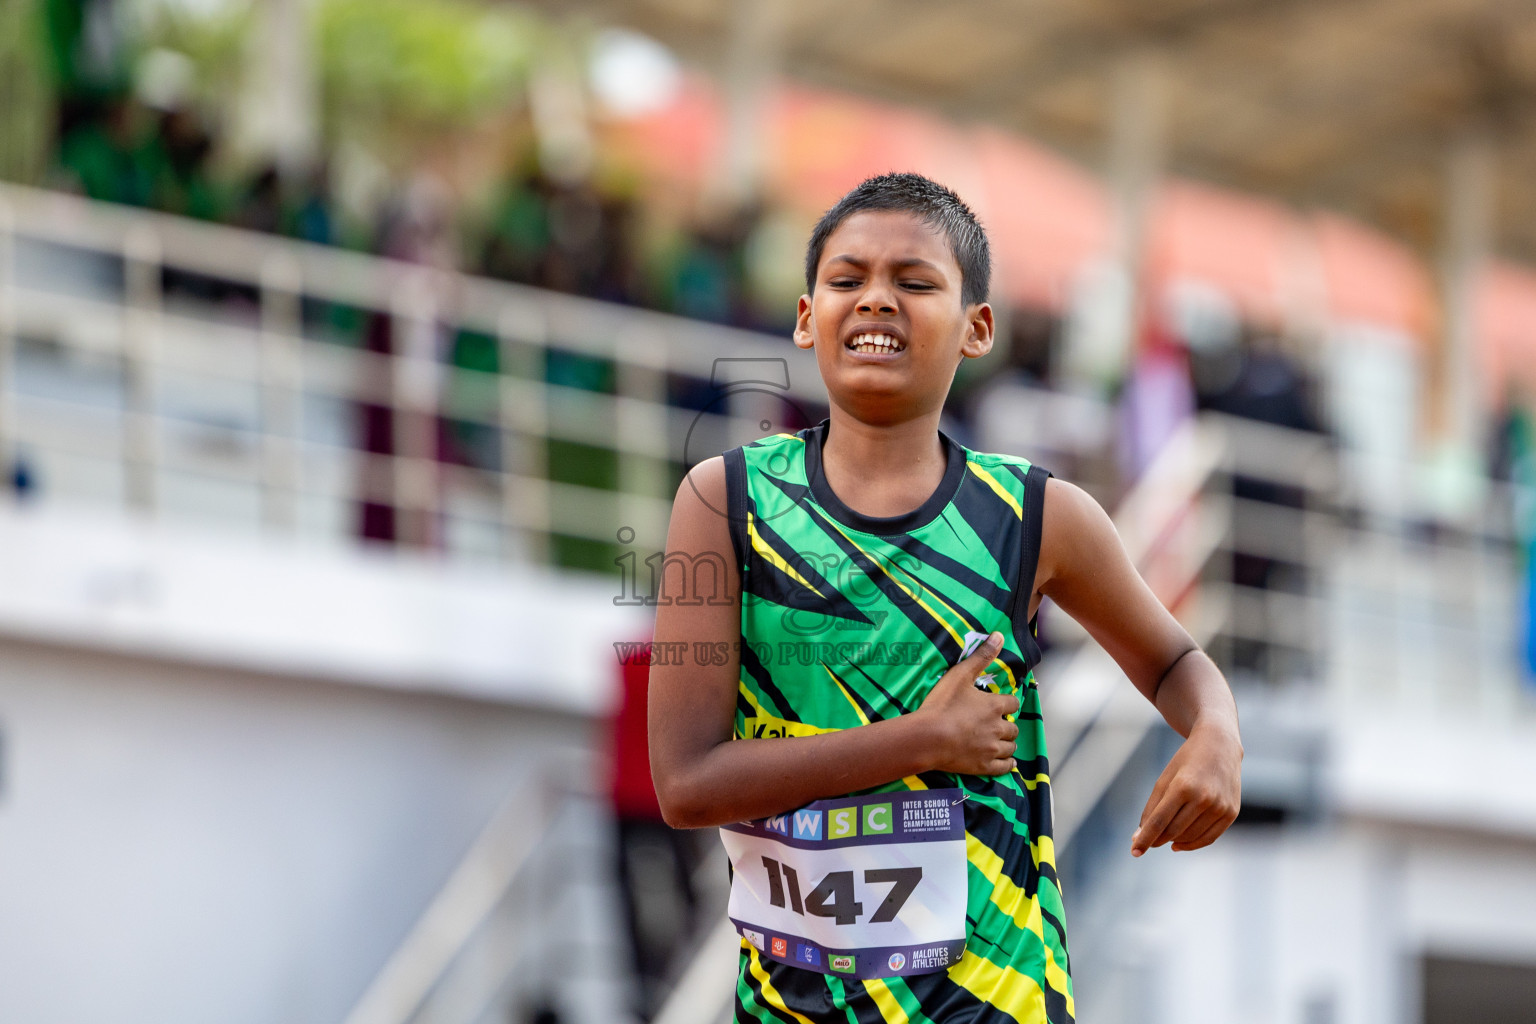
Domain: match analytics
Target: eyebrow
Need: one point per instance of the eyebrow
(910, 261)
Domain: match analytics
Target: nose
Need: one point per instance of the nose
(877, 300)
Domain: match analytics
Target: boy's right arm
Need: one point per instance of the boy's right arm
(703, 777)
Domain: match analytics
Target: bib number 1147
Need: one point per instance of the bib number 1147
(834, 896)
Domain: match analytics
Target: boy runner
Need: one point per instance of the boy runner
(886, 805)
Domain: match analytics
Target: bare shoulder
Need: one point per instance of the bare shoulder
(1075, 529)
(700, 514)
(699, 534)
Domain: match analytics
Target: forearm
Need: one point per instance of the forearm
(739, 780)
(1193, 694)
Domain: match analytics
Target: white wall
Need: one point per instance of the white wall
(233, 774)
(1430, 848)
(190, 844)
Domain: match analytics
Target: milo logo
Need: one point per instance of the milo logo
(841, 963)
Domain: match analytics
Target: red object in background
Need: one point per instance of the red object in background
(1240, 244)
(634, 795)
(1045, 217)
(1506, 330)
(1372, 279)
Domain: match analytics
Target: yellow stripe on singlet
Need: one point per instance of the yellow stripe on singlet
(959, 616)
(991, 481)
(774, 721)
(863, 718)
(1001, 988)
(770, 994)
(885, 1002)
(1007, 897)
(1044, 851)
(774, 559)
(878, 560)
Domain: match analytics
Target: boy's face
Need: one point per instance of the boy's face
(886, 320)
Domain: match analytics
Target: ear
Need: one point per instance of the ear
(978, 334)
(802, 333)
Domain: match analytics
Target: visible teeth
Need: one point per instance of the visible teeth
(875, 343)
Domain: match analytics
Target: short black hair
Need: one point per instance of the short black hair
(927, 200)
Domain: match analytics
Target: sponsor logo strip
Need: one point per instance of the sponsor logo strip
(884, 962)
(931, 815)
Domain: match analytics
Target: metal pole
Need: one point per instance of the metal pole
(1100, 343)
(281, 381)
(8, 453)
(523, 416)
(1470, 201)
(416, 385)
(141, 325)
(641, 416)
(752, 55)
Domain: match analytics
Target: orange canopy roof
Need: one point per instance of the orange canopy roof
(1506, 331)
(1240, 244)
(1046, 217)
(1372, 278)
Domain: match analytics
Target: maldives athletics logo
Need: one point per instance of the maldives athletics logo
(897, 961)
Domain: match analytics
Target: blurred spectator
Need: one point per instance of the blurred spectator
(1518, 458)
(180, 154)
(261, 207)
(1269, 386)
(106, 154)
(574, 256)
(518, 236)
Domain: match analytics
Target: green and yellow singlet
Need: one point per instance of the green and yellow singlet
(848, 619)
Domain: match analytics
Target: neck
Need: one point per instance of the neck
(883, 470)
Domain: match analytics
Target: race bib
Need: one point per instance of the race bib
(865, 887)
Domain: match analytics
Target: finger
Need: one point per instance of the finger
(1006, 705)
(963, 674)
(1002, 766)
(1153, 824)
(1156, 796)
(1195, 829)
(1183, 832)
(983, 655)
(1207, 837)
(1010, 730)
(1188, 813)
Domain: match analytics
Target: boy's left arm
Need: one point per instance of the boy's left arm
(1084, 568)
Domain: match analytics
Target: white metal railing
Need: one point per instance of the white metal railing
(245, 409)
(477, 886)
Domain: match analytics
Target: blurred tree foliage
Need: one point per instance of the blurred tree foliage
(398, 74)
(212, 36)
(27, 84)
